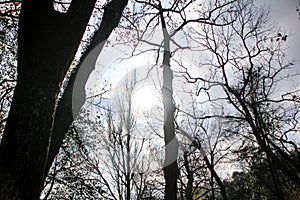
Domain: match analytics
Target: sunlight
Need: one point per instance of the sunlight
(145, 97)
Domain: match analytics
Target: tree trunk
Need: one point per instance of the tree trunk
(47, 43)
(190, 177)
(217, 178)
(171, 171)
(65, 109)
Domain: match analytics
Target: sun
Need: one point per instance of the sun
(145, 97)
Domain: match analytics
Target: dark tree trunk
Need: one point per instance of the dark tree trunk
(279, 159)
(171, 171)
(217, 178)
(190, 177)
(211, 168)
(65, 109)
(47, 42)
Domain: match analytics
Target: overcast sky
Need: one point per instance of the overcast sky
(284, 12)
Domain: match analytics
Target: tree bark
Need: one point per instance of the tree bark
(217, 178)
(278, 158)
(47, 43)
(190, 177)
(64, 114)
(171, 171)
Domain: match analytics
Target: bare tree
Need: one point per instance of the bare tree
(172, 17)
(208, 142)
(36, 123)
(246, 66)
(110, 151)
(249, 66)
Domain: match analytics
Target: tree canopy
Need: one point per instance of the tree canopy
(147, 99)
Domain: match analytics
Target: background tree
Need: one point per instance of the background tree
(164, 15)
(106, 155)
(256, 184)
(208, 152)
(248, 64)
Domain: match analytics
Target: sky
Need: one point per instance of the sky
(285, 14)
